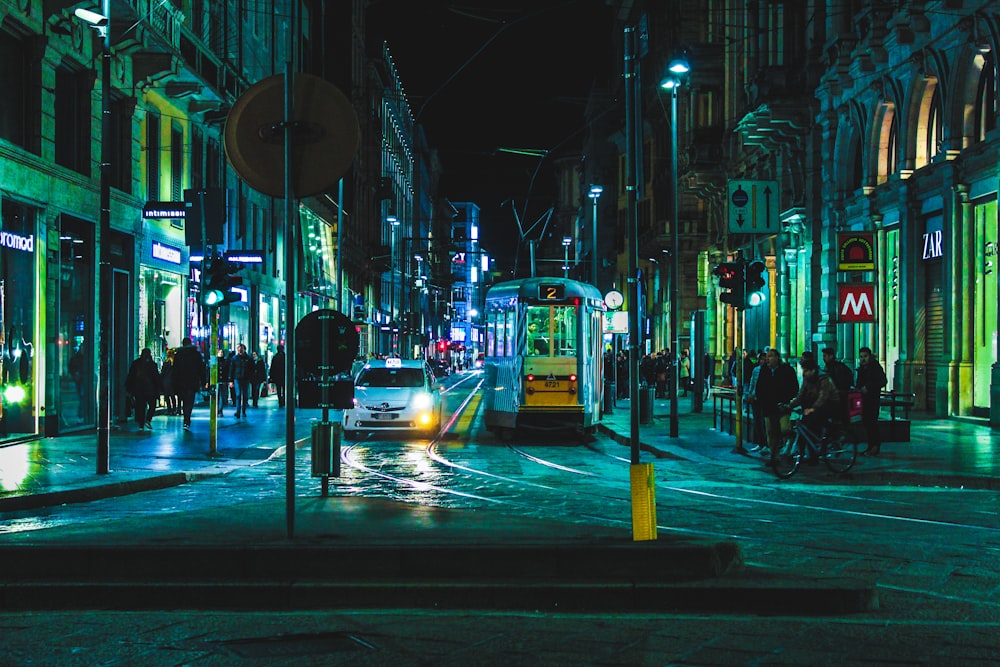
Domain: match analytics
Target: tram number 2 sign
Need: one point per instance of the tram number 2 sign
(857, 302)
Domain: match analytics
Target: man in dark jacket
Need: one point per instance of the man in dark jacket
(189, 377)
(776, 384)
(871, 380)
(277, 374)
(240, 376)
(842, 377)
(144, 383)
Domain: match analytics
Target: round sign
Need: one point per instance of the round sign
(614, 299)
(325, 135)
(326, 344)
(740, 197)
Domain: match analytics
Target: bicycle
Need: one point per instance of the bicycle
(837, 448)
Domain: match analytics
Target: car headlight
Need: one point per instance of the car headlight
(422, 401)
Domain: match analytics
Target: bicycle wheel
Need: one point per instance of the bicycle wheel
(841, 452)
(787, 459)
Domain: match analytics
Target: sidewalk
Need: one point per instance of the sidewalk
(941, 452)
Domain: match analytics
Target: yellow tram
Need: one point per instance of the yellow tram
(543, 356)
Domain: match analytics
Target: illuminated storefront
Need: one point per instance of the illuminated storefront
(162, 271)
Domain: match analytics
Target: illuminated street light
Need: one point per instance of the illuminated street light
(595, 194)
(101, 23)
(677, 68)
(566, 243)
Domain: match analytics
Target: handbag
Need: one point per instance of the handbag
(854, 406)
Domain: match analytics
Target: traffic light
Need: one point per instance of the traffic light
(731, 277)
(755, 294)
(218, 280)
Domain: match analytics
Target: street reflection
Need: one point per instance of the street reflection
(15, 467)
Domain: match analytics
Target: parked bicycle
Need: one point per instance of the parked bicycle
(837, 447)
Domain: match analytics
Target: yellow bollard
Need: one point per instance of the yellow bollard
(643, 502)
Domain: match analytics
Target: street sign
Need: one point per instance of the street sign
(855, 251)
(857, 302)
(753, 207)
(326, 344)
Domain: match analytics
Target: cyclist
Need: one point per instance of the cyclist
(818, 398)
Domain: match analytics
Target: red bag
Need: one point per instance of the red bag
(854, 406)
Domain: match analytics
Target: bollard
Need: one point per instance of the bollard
(610, 393)
(646, 405)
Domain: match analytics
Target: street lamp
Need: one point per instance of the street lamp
(678, 68)
(595, 194)
(393, 224)
(101, 23)
(566, 243)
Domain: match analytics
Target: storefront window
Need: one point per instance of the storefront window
(162, 303)
(18, 318)
(74, 358)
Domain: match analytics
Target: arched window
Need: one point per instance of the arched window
(986, 96)
(888, 144)
(933, 134)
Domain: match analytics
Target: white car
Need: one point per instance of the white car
(395, 395)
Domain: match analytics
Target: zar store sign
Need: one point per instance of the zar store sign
(857, 302)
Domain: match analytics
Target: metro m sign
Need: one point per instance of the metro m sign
(857, 302)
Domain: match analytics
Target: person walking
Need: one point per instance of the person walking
(777, 384)
(240, 377)
(189, 377)
(870, 382)
(276, 375)
(167, 376)
(258, 376)
(144, 383)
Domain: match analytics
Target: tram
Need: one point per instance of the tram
(543, 357)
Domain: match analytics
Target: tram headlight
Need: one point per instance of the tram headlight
(572, 377)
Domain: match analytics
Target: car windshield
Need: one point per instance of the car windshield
(391, 377)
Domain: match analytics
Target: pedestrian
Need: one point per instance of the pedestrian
(167, 376)
(277, 374)
(222, 381)
(777, 384)
(188, 376)
(663, 369)
(240, 376)
(842, 377)
(685, 366)
(258, 377)
(870, 382)
(144, 384)
(758, 434)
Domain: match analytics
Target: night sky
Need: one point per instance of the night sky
(524, 89)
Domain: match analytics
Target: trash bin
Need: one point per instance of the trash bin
(326, 449)
(646, 405)
(610, 393)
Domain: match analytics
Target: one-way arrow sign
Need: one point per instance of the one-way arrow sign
(753, 207)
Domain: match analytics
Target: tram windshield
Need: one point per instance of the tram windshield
(551, 331)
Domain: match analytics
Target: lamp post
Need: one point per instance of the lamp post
(678, 68)
(566, 243)
(102, 23)
(393, 224)
(595, 194)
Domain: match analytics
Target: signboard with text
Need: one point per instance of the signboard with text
(855, 251)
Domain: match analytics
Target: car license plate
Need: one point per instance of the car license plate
(384, 416)
(552, 384)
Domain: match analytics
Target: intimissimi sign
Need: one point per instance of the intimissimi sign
(17, 242)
